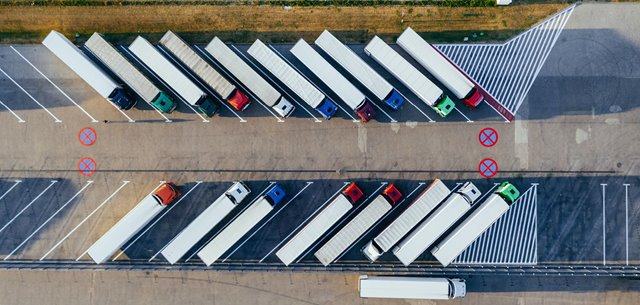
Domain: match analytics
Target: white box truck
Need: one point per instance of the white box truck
(240, 226)
(428, 200)
(404, 287)
(132, 223)
(292, 79)
(320, 224)
(205, 222)
(357, 226)
(436, 224)
(248, 77)
(127, 72)
(473, 226)
(170, 74)
(80, 63)
(334, 80)
(440, 67)
(185, 54)
(351, 62)
(417, 82)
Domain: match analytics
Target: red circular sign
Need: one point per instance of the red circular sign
(87, 166)
(488, 137)
(87, 136)
(488, 167)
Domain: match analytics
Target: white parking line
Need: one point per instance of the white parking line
(20, 120)
(626, 219)
(202, 85)
(364, 202)
(309, 183)
(11, 188)
(604, 232)
(48, 219)
(204, 120)
(317, 87)
(282, 91)
(239, 84)
(28, 205)
(305, 221)
(93, 120)
(234, 218)
(460, 112)
(154, 189)
(156, 221)
(84, 220)
(30, 96)
(487, 193)
(415, 106)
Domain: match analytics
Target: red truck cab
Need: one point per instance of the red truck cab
(474, 99)
(392, 194)
(366, 112)
(167, 193)
(239, 100)
(353, 192)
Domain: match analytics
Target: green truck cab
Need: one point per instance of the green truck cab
(508, 192)
(444, 106)
(164, 103)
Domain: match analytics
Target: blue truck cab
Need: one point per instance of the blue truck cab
(122, 98)
(275, 194)
(327, 108)
(394, 100)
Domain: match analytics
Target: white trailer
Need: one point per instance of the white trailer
(417, 82)
(357, 226)
(171, 75)
(344, 56)
(445, 216)
(334, 80)
(205, 222)
(241, 226)
(428, 200)
(248, 77)
(440, 67)
(395, 287)
(185, 54)
(292, 79)
(127, 72)
(477, 223)
(125, 229)
(80, 63)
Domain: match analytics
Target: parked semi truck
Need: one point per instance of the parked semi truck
(80, 63)
(248, 77)
(241, 225)
(185, 54)
(357, 226)
(334, 80)
(417, 82)
(396, 287)
(127, 72)
(132, 222)
(436, 224)
(351, 62)
(320, 224)
(473, 226)
(205, 222)
(292, 79)
(428, 200)
(170, 74)
(440, 67)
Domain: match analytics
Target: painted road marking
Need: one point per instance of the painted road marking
(305, 221)
(488, 167)
(87, 166)
(479, 200)
(415, 106)
(239, 84)
(93, 120)
(488, 137)
(20, 120)
(28, 205)
(317, 87)
(460, 112)
(234, 218)
(309, 183)
(11, 188)
(30, 96)
(87, 136)
(202, 85)
(154, 189)
(48, 219)
(626, 218)
(156, 221)
(84, 220)
(282, 91)
(339, 225)
(604, 232)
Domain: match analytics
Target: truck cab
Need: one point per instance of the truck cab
(166, 194)
(207, 106)
(275, 195)
(469, 191)
(474, 98)
(508, 192)
(239, 100)
(353, 192)
(366, 112)
(394, 100)
(123, 99)
(238, 192)
(444, 106)
(284, 108)
(457, 288)
(164, 103)
(392, 194)
(327, 108)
